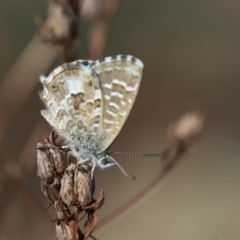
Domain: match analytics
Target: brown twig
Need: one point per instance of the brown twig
(34, 60)
(100, 14)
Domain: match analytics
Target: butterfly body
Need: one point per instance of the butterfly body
(89, 101)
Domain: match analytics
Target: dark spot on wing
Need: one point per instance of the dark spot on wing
(68, 65)
(102, 60)
(133, 59)
(85, 63)
(123, 56)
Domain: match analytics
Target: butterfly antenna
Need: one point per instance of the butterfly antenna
(136, 154)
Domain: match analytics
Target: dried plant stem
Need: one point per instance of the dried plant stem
(169, 162)
(72, 42)
(99, 33)
(99, 13)
(34, 60)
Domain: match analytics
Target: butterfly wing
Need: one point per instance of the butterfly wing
(74, 102)
(120, 78)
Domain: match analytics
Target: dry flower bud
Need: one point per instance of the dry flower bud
(84, 187)
(61, 211)
(188, 127)
(45, 164)
(63, 231)
(56, 140)
(58, 160)
(58, 24)
(67, 187)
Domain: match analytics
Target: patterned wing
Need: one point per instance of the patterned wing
(73, 98)
(120, 78)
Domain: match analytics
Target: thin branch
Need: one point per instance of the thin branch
(21, 80)
(100, 14)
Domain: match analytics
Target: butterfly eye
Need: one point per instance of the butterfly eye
(105, 161)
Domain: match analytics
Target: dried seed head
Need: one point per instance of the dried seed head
(67, 187)
(45, 164)
(58, 160)
(56, 140)
(49, 161)
(188, 127)
(84, 186)
(58, 24)
(63, 231)
(59, 209)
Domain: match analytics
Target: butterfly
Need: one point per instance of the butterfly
(87, 103)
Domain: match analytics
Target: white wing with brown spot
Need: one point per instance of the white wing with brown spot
(74, 102)
(89, 101)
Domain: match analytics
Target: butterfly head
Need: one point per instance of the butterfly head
(102, 160)
(105, 161)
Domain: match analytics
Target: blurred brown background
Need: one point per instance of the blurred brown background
(191, 52)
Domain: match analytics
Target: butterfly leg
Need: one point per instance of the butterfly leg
(86, 160)
(78, 163)
(121, 168)
(82, 161)
(93, 167)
